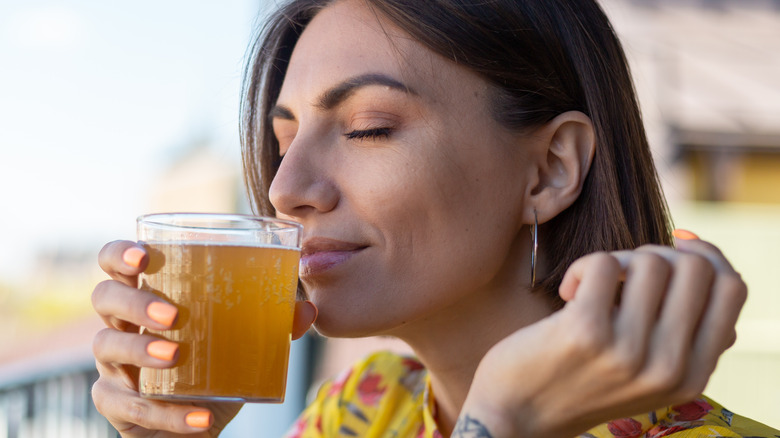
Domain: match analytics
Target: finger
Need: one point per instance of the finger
(681, 313)
(118, 304)
(705, 249)
(129, 412)
(647, 277)
(592, 281)
(128, 374)
(305, 315)
(123, 261)
(114, 347)
(716, 331)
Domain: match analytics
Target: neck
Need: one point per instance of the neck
(452, 343)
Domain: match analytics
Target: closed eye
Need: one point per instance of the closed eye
(368, 134)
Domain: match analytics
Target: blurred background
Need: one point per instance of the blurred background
(109, 110)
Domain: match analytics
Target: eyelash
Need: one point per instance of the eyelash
(368, 134)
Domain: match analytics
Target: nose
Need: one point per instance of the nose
(303, 184)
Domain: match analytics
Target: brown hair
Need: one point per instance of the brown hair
(543, 58)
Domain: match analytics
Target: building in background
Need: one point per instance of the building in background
(707, 76)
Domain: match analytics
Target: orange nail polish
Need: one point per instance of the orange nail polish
(684, 234)
(162, 350)
(198, 419)
(162, 313)
(133, 256)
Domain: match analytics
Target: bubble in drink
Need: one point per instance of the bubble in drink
(234, 341)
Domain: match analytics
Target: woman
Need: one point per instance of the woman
(462, 170)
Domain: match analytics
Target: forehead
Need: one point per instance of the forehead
(348, 39)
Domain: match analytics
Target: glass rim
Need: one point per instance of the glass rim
(237, 217)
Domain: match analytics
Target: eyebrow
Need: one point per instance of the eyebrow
(341, 92)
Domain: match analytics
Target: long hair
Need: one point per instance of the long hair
(542, 58)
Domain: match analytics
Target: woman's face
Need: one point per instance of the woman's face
(409, 192)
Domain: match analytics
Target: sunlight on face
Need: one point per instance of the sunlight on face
(409, 192)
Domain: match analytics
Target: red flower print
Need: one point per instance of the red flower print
(694, 410)
(339, 382)
(662, 431)
(412, 364)
(369, 390)
(625, 428)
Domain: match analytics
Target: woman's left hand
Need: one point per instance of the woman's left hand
(612, 351)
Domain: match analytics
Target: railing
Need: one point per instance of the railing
(49, 395)
(55, 406)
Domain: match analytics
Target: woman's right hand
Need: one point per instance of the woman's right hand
(120, 350)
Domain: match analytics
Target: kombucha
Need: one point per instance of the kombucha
(235, 319)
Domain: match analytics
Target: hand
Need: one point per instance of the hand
(120, 350)
(612, 351)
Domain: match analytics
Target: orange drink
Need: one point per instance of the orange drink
(235, 300)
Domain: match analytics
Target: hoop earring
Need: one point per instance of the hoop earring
(535, 236)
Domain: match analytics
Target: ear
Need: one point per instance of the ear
(564, 154)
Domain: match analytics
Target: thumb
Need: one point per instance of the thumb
(304, 317)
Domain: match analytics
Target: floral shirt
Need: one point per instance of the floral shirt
(387, 395)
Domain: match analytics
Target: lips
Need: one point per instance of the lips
(319, 255)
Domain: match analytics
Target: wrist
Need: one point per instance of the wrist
(506, 411)
(477, 421)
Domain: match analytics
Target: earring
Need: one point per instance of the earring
(535, 236)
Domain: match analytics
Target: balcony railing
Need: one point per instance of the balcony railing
(54, 405)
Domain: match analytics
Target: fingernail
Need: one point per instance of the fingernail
(684, 234)
(162, 350)
(198, 419)
(133, 256)
(316, 311)
(162, 313)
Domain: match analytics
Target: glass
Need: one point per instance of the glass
(233, 279)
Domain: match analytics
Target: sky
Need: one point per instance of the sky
(95, 97)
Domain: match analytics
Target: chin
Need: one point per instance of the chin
(340, 328)
(340, 324)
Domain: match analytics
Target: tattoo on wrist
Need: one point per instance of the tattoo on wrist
(469, 427)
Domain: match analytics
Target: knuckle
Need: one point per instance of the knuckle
(734, 287)
(622, 366)
(696, 263)
(604, 261)
(651, 261)
(99, 342)
(105, 254)
(137, 412)
(101, 397)
(97, 395)
(627, 363)
(171, 422)
(106, 248)
(651, 248)
(731, 340)
(99, 293)
(587, 338)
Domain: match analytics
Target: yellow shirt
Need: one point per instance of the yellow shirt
(387, 395)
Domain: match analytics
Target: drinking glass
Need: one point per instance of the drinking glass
(233, 279)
